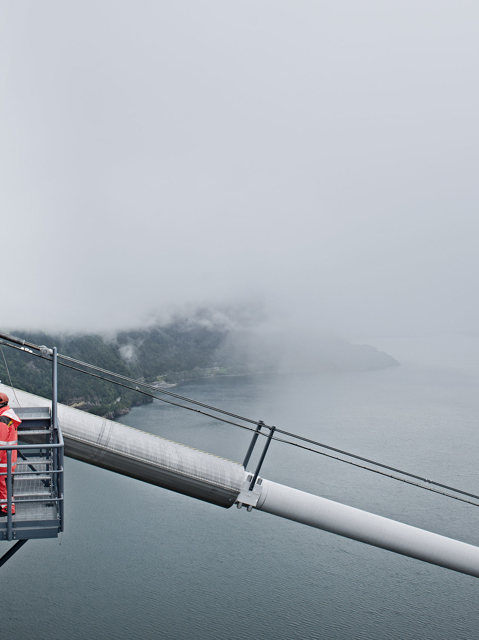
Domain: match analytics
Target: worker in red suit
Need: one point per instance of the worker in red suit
(9, 422)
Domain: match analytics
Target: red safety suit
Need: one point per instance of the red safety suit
(9, 422)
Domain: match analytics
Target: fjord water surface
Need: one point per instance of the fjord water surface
(136, 561)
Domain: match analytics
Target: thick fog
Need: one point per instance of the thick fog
(317, 158)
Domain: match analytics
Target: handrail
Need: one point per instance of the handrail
(49, 499)
(53, 445)
(32, 473)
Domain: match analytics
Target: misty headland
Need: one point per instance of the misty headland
(204, 344)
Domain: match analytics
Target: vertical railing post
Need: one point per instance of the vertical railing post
(57, 453)
(60, 491)
(54, 452)
(9, 495)
(54, 387)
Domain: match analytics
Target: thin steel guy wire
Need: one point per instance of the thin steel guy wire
(294, 444)
(287, 433)
(150, 386)
(151, 395)
(8, 373)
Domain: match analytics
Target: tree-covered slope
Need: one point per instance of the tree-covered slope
(159, 354)
(181, 350)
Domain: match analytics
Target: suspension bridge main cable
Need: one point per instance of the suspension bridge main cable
(29, 349)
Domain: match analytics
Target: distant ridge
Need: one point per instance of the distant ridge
(184, 349)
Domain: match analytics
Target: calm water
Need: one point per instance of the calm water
(141, 562)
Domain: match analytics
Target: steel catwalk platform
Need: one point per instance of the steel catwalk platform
(38, 479)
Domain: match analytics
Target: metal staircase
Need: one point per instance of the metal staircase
(36, 485)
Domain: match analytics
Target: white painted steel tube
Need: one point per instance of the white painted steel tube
(141, 455)
(144, 456)
(377, 531)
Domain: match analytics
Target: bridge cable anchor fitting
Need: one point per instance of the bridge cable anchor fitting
(252, 486)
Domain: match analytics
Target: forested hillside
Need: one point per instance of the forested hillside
(167, 354)
(181, 350)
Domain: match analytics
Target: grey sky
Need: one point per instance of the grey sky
(320, 156)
